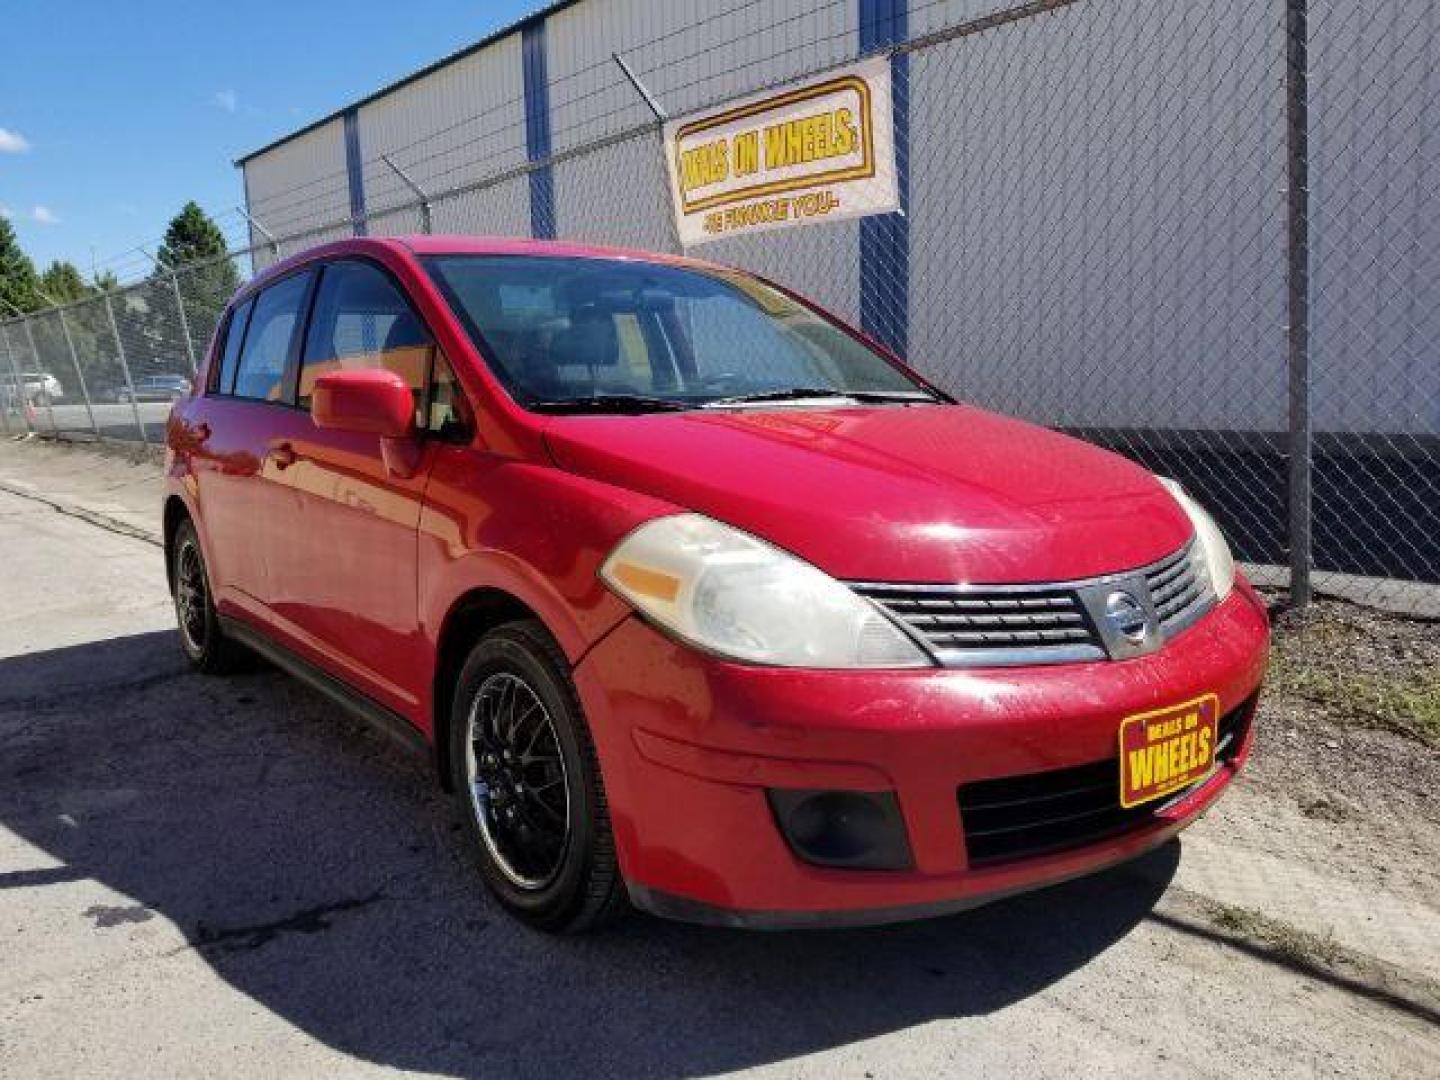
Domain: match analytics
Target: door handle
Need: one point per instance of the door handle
(283, 455)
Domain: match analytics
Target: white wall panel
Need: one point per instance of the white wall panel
(461, 123)
(618, 195)
(929, 16)
(689, 53)
(300, 184)
(1375, 216)
(1097, 215)
(501, 209)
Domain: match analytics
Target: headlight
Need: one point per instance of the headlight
(726, 592)
(1218, 560)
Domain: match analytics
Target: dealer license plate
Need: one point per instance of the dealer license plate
(1167, 749)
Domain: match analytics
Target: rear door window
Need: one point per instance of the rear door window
(266, 355)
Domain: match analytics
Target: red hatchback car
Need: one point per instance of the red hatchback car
(702, 601)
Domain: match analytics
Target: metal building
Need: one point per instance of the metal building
(1100, 224)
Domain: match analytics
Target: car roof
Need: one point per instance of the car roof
(424, 245)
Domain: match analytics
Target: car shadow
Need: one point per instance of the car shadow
(318, 870)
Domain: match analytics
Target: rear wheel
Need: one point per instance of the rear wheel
(524, 764)
(201, 638)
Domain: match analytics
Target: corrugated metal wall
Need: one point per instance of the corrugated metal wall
(300, 184)
(457, 125)
(1375, 210)
(1097, 214)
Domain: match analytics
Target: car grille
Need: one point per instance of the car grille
(1017, 817)
(984, 625)
(976, 623)
(1179, 588)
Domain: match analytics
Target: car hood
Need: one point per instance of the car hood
(934, 493)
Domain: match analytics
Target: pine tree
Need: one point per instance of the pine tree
(194, 248)
(191, 237)
(86, 324)
(62, 282)
(195, 252)
(17, 274)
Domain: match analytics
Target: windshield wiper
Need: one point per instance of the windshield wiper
(800, 393)
(609, 403)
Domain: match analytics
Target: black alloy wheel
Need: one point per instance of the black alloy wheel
(524, 764)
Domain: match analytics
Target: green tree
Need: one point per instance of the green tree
(191, 237)
(62, 282)
(17, 274)
(194, 250)
(85, 324)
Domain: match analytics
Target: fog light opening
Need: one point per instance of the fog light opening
(855, 829)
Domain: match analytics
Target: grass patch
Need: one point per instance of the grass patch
(1363, 669)
(1391, 702)
(1292, 943)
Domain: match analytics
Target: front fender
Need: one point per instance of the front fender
(534, 532)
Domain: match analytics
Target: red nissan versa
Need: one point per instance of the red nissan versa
(701, 601)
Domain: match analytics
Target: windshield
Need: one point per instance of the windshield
(585, 334)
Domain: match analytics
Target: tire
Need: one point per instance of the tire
(553, 866)
(201, 637)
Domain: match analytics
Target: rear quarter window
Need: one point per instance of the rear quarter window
(224, 380)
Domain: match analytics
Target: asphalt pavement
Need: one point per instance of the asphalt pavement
(230, 877)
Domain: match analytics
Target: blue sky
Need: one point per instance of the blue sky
(113, 113)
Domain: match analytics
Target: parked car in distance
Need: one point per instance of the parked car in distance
(155, 388)
(35, 387)
(700, 601)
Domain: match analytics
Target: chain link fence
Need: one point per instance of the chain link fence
(1205, 235)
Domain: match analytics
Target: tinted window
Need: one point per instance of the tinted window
(362, 320)
(234, 337)
(265, 356)
(560, 330)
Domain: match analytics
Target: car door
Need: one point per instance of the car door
(245, 425)
(347, 590)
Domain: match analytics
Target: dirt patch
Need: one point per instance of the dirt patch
(1362, 669)
(1350, 717)
(1346, 738)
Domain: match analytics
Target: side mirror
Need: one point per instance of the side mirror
(371, 402)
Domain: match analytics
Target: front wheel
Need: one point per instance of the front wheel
(524, 764)
(204, 643)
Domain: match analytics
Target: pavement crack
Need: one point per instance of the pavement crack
(311, 920)
(92, 517)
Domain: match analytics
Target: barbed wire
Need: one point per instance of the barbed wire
(279, 209)
(1097, 241)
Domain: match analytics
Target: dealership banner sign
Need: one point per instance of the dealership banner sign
(820, 150)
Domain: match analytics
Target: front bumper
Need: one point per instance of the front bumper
(689, 744)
